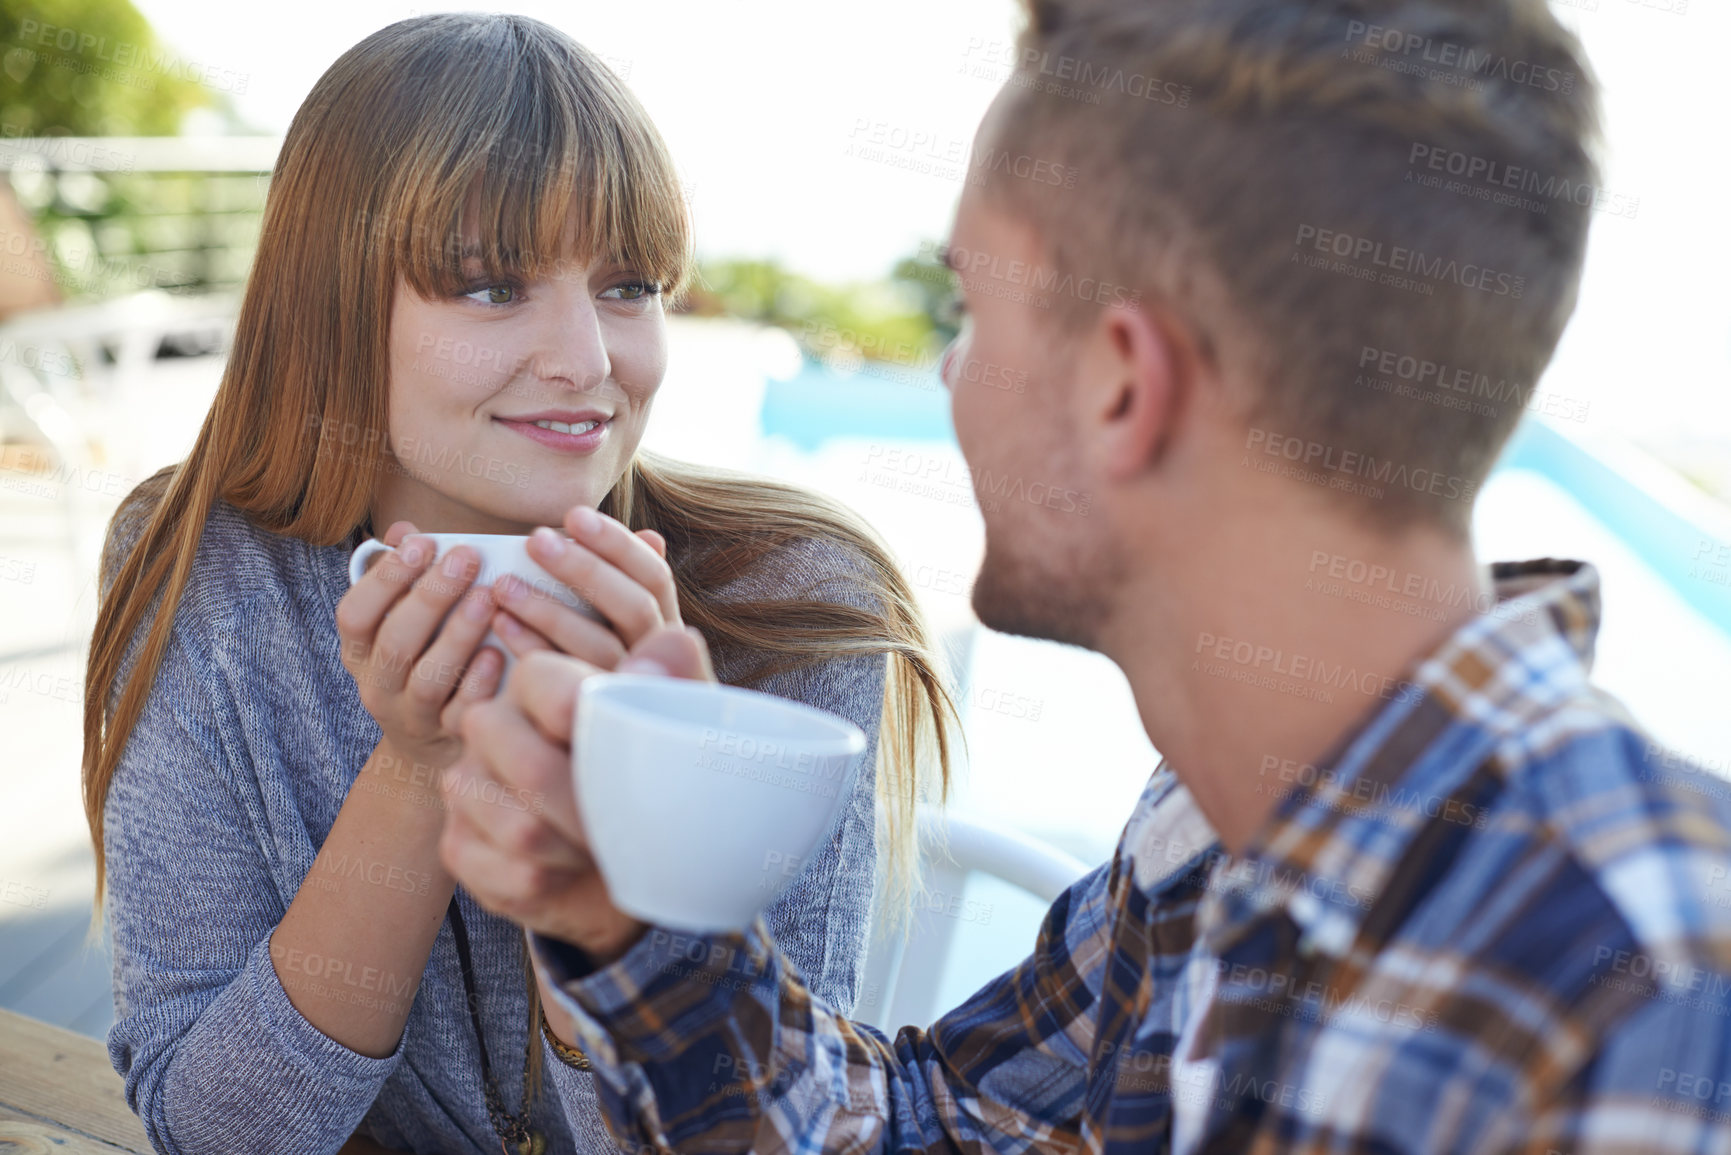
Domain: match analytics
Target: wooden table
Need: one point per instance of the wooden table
(59, 1095)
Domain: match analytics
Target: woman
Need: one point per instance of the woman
(454, 323)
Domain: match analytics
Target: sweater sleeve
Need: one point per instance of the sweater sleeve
(214, 1056)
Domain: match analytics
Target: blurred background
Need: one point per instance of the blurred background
(822, 149)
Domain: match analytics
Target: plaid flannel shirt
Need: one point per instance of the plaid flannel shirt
(1494, 919)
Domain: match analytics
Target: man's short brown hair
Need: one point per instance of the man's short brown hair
(1378, 217)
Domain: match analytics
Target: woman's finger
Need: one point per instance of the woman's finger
(480, 682)
(631, 553)
(397, 532)
(411, 623)
(519, 638)
(628, 605)
(443, 663)
(363, 608)
(542, 622)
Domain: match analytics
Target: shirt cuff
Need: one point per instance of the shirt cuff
(662, 993)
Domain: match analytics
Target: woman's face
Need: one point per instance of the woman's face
(512, 402)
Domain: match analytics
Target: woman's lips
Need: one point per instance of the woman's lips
(561, 442)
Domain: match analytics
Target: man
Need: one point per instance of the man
(1405, 881)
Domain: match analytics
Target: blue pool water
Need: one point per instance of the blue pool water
(818, 404)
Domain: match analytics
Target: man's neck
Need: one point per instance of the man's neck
(1277, 653)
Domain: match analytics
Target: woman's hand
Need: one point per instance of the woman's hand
(415, 676)
(624, 575)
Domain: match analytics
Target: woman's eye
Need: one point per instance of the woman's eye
(951, 310)
(633, 290)
(494, 295)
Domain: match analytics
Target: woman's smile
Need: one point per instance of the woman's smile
(578, 432)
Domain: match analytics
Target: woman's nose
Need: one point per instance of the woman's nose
(572, 350)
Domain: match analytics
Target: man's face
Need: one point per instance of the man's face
(1046, 570)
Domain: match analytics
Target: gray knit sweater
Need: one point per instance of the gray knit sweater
(251, 737)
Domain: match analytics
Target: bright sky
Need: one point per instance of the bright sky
(760, 101)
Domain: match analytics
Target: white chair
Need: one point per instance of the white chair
(905, 968)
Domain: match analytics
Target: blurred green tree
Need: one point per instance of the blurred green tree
(906, 319)
(89, 68)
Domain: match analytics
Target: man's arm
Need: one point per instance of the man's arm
(713, 1043)
(715, 1040)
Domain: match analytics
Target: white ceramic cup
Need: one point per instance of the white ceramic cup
(701, 803)
(501, 554)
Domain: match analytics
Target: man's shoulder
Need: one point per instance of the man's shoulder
(1597, 883)
(1650, 831)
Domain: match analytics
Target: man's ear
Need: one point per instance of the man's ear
(1138, 389)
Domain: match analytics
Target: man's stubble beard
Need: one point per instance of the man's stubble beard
(1048, 574)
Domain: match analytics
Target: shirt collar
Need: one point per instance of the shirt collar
(1329, 848)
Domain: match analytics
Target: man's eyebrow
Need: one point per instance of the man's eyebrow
(947, 258)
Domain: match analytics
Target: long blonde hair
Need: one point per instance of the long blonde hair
(416, 123)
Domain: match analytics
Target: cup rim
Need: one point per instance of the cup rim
(844, 737)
